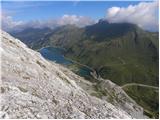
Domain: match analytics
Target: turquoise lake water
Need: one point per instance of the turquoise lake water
(57, 55)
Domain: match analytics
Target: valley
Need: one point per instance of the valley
(57, 55)
(79, 59)
(128, 57)
(33, 87)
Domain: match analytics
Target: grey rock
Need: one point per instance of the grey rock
(32, 87)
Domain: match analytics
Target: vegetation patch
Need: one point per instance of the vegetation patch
(39, 63)
(2, 90)
(148, 98)
(22, 89)
(26, 77)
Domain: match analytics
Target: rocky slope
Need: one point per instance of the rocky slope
(32, 87)
(120, 52)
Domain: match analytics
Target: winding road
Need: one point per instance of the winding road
(141, 85)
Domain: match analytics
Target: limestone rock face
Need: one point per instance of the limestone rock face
(116, 95)
(32, 87)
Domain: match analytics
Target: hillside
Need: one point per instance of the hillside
(121, 52)
(31, 36)
(124, 53)
(35, 88)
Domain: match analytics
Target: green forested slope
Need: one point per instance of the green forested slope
(122, 52)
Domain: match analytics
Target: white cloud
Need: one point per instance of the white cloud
(144, 14)
(9, 24)
(74, 19)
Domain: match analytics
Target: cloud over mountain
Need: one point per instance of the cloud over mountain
(144, 14)
(9, 24)
(74, 19)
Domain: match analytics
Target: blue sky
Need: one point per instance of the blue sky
(53, 9)
(22, 14)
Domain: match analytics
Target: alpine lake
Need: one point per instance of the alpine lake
(56, 54)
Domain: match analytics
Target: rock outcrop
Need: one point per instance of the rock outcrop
(32, 87)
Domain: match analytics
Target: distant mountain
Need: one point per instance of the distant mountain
(121, 52)
(31, 36)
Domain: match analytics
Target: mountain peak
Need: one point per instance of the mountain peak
(103, 21)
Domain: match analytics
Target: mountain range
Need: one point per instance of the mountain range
(124, 50)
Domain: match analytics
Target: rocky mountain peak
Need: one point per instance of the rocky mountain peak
(103, 21)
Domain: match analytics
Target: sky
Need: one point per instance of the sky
(22, 14)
